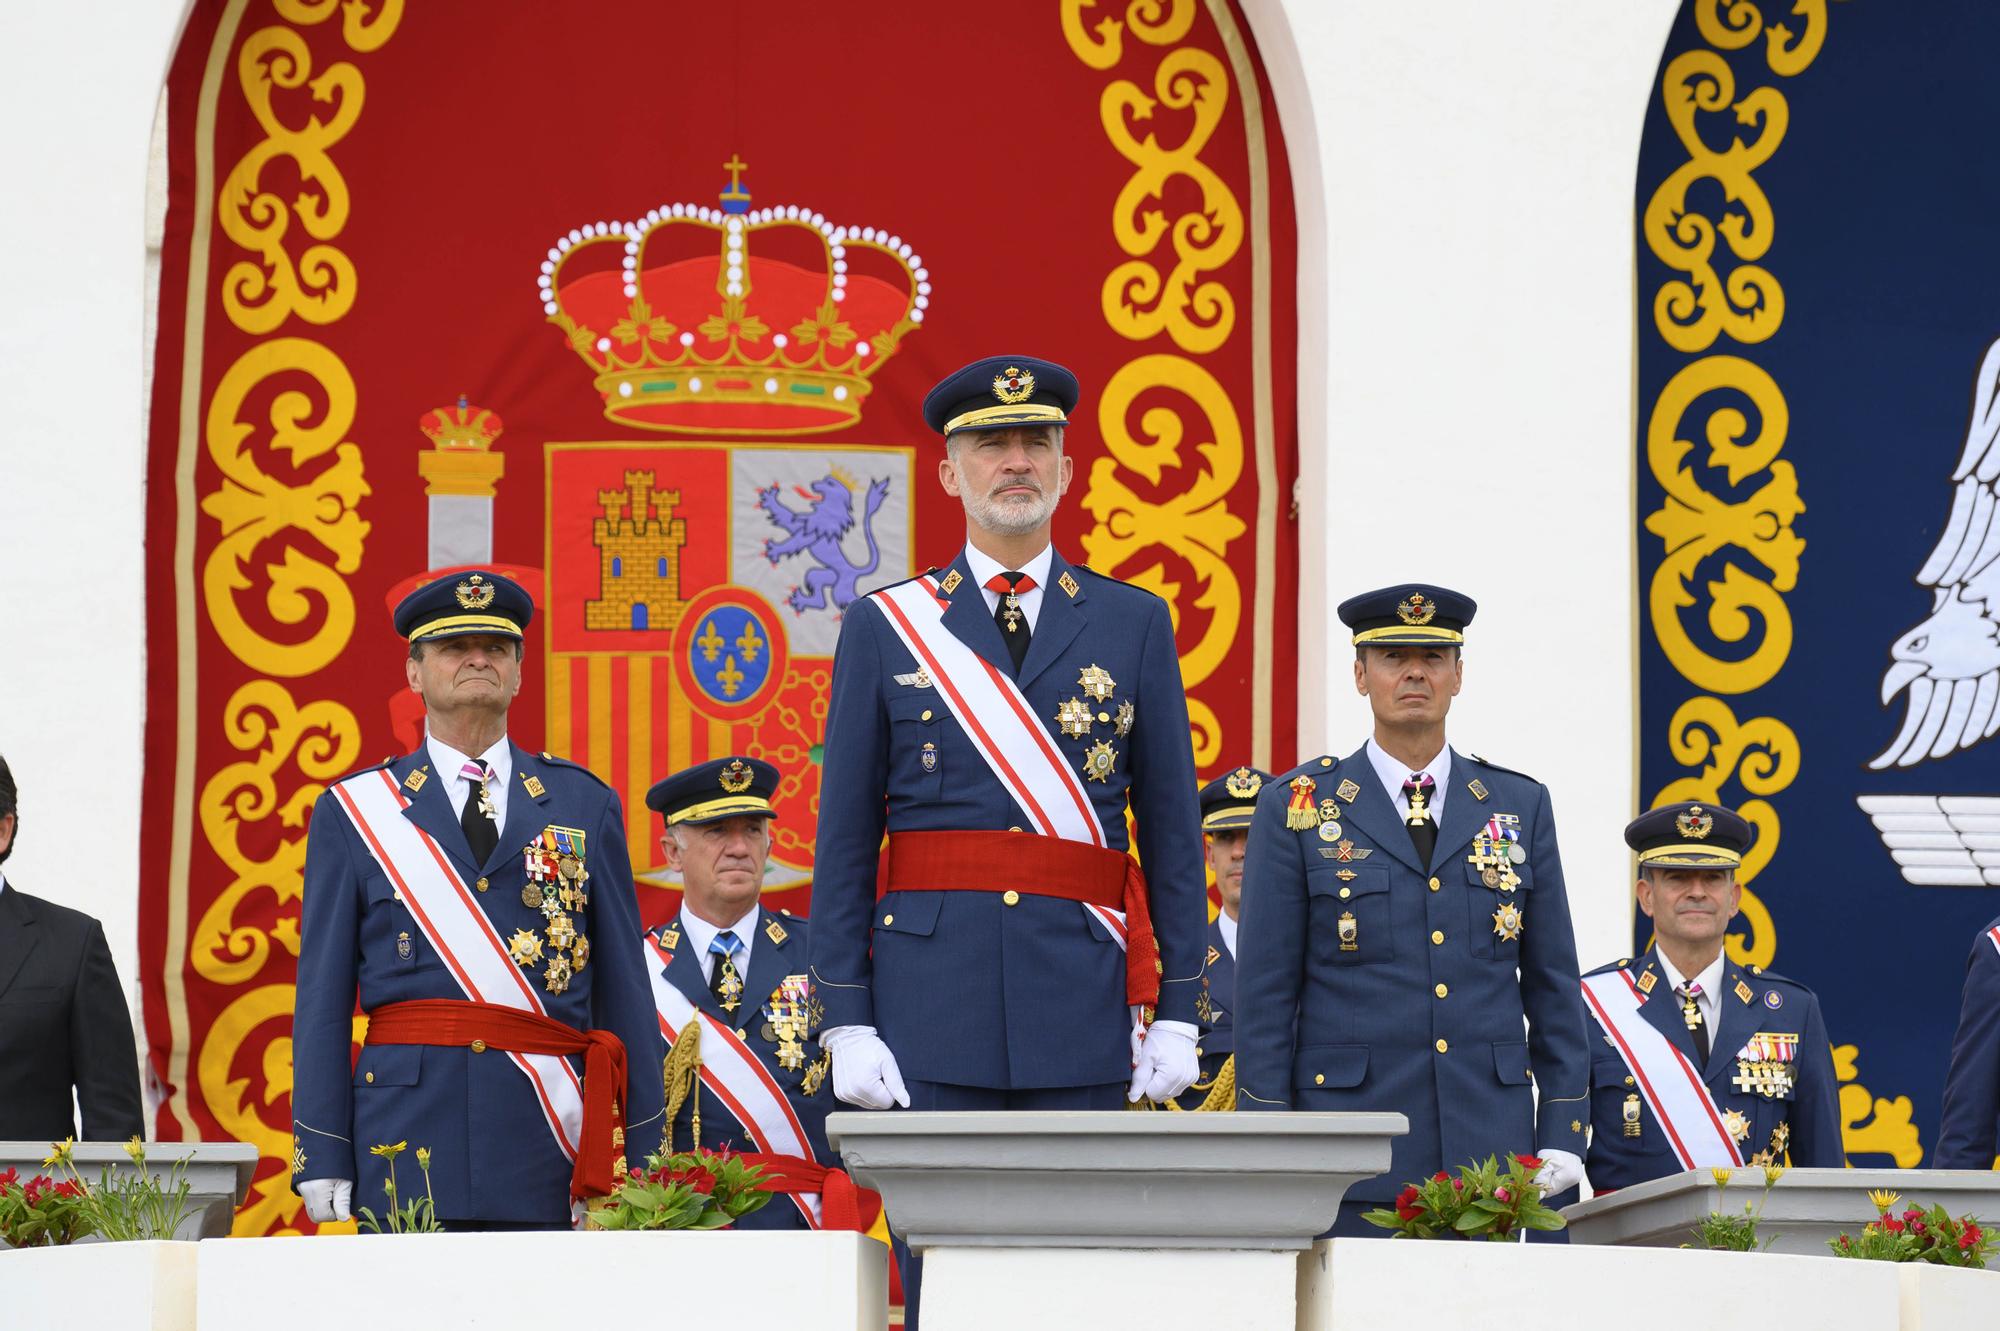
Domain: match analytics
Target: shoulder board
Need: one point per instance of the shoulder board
(926, 573)
(390, 761)
(551, 760)
(1312, 767)
(1623, 963)
(1492, 766)
(1769, 976)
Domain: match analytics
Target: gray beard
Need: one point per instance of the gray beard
(1009, 518)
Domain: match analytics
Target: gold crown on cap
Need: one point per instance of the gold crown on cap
(1696, 823)
(736, 776)
(1243, 783)
(1013, 385)
(1416, 608)
(475, 592)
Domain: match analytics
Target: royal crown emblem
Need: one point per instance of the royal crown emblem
(736, 777)
(1243, 784)
(1416, 608)
(1013, 385)
(1696, 823)
(733, 320)
(475, 592)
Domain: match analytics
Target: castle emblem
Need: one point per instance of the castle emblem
(786, 349)
(639, 552)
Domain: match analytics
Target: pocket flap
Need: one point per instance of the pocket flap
(924, 707)
(1324, 880)
(389, 1065)
(908, 912)
(1510, 1062)
(1330, 1065)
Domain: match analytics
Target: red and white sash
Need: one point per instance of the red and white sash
(454, 924)
(1993, 937)
(1672, 1087)
(734, 1074)
(1002, 725)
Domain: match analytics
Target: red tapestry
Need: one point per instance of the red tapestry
(638, 302)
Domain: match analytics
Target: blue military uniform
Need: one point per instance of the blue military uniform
(1969, 1135)
(966, 988)
(1227, 804)
(493, 1156)
(1769, 1065)
(1371, 980)
(772, 1013)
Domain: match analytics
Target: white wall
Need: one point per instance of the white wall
(1464, 176)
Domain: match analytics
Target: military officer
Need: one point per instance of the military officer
(462, 891)
(998, 719)
(1701, 1063)
(1404, 911)
(1969, 1136)
(1226, 805)
(744, 968)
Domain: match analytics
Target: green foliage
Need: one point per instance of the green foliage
(1718, 1232)
(1484, 1201)
(122, 1206)
(414, 1217)
(685, 1190)
(1916, 1235)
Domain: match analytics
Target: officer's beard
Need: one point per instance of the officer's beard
(1012, 516)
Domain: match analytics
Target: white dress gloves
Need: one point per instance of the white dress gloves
(1166, 1063)
(1560, 1170)
(864, 1071)
(327, 1199)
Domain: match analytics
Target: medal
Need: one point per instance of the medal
(557, 978)
(531, 895)
(1350, 932)
(1737, 1123)
(1631, 1115)
(524, 947)
(1099, 760)
(1096, 683)
(1122, 725)
(1507, 922)
(1073, 717)
(1299, 812)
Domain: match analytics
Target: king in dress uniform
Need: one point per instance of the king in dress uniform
(478, 899)
(1226, 805)
(1701, 1063)
(730, 982)
(1969, 1133)
(1403, 913)
(998, 719)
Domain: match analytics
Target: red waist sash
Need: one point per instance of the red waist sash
(458, 1022)
(1042, 866)
(839, 1200)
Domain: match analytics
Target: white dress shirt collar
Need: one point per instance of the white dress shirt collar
(1710, 981)
(984, 566)
(1228, 928)
(1392, 774)
(447, 761)
(701, 933)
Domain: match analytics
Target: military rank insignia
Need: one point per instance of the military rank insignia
(1743, 994)
(1068, 584)
(414, 782)
(533, 785)
(1346, 791)
(1204, 1006)
(1478, 789)
(950, 583)
(1300, 814)
(1243, 784)
(775, 932)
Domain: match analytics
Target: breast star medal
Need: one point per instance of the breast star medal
(1122, 724)
(1737, 1123)
(525, 947)
(1096, 683)
(1507, 921)
(1073, 715)
(1099, 760)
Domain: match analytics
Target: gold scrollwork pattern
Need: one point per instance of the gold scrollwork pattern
(1871, 1124)
(288, 479)
(1176, 397)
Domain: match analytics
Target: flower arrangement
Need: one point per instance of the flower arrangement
(122, 1205)
(1916, 1235)
(414, 1217)
(1736, 1233)
(682, 1190)
(1484, 1201)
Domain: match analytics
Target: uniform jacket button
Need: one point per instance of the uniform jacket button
(927, 714)
(1442, 1046)
(1011, 897)
(479, 1046)
(1441, 991)
(481, 885)
(888, 919)
(742, 1033)
(1319, 1079)
(1345, 893)
(370, 1079)
(1435, 884)
(1437, 935)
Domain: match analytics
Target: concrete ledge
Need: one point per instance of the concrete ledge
(101, 1286)
(1805, 1209)
(218, 1174)
(1111, 1180)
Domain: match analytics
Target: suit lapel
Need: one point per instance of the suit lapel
(18, 935)
(429, 807)
(684, 969)
(1734, 1021)
(1463, 815)
(1222, 974)
(971, 623)
(1060, 620)
(525, 810)
(1372, 812)
(1664, 1012)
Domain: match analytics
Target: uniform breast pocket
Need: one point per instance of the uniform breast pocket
(916, 748)
(389, 933)
(1497, 914)
(1348, 914)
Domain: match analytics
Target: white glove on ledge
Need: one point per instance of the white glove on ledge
(327, 1199)
(1167, 1064)
(1560, 1171)
(864, 1071)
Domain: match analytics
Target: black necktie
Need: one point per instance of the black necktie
(1009, 615)
(1691, 1014)
(1423, 827)
(480, 833)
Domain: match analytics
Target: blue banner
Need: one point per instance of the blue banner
(1818, 537)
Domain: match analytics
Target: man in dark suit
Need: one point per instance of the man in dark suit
(63, 1023)
(1969, 1135)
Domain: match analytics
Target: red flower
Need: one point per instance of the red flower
(1407, 1205)
(697, 1178)
(69, 1189)
(10, 1179)
(1439, 1177)
(1970, 1236)
(1501, 1194)
(1892, 1225)
(1846, 1242)
(1913, 1213)
(1459, 1184)
(1529, 1161)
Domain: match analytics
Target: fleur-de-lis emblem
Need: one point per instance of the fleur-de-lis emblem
(710, 642)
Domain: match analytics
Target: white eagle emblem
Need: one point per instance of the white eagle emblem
(1950, 662)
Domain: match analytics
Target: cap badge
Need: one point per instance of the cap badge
(1243, 784)
(1416, 608)
(1013, 385)
(475, 593)
(736, 777)
(1696, 823)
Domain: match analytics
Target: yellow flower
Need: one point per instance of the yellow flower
(389, 1152)
(136, 1149)
(1772, 1173)
(59, 1152)
(1885, 1201)
(423, 1157)
(1721, 1175)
